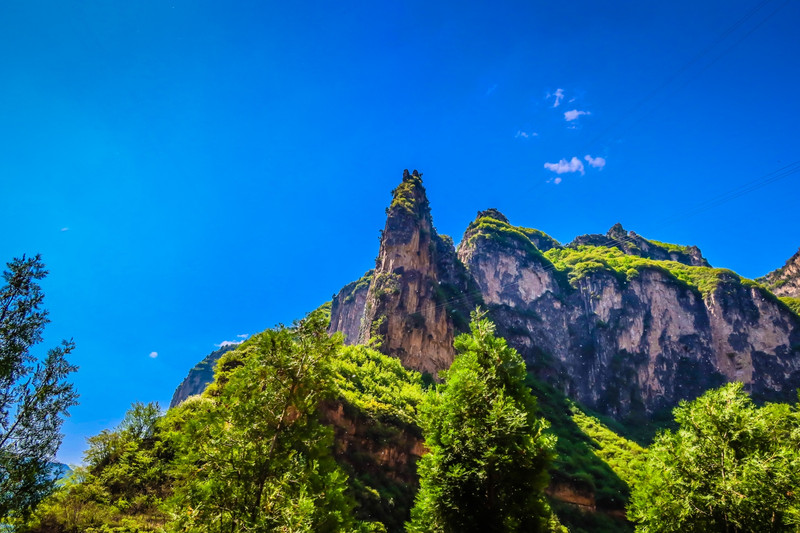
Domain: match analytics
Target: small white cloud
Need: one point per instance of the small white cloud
(525, 134)
(228, 343)
(243, 335)
(596, 162)
(557, 181)
(564, 166)
(153, 355)
(64, 229)
(559, 95)
(572, 115)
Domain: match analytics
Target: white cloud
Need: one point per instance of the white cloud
(243, 335)
(525, 134)
(64, 229)
(572, 115)
(596, 162)
(228, 343)
(153, 355)
(557, 181)
(559, 95)
(564, 166)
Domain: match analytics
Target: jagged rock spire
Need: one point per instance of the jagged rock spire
(402, 310)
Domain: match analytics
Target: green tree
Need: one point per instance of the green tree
(729, 467)
(34, 394)
(487, 465)
(255, 456)
(126, 477)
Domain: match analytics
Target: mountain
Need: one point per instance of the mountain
(625, 325)
(199, 376)
(785, 282)
(613, 326)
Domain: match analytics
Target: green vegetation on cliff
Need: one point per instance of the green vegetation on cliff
(791, 303)
(493, 229)
(582, 260)
(405, 196)
(669, 247)
(591, 459)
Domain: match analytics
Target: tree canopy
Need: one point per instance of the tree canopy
(34, 394)
(487, 465)
(730, 467)
(255, 457)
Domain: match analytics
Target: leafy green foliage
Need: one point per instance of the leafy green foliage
(404, 196)
(379, 397)
(585, 451)
(124, 483)
(581, 261)
(34, 395)
(669, 247)
(489, 453)
(377, 385)
(501, 232)
(791, 303)
(730, 466)
(256, 457)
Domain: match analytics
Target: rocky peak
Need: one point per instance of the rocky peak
(493, 213)
(408, 308)
(617, 232)
(631, 243)
(785, 281)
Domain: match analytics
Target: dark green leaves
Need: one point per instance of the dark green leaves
(34, 395)
(487, 465)
(731, 467)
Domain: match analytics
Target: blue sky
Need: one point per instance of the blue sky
(196, 171)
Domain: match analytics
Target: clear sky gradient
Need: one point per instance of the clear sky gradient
(196, 171)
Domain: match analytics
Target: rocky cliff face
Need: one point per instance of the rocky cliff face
(633, 244)
(201, 375)
(626, 325)
(347, 308)
(785, 281)
(631, 337)
(413, 301)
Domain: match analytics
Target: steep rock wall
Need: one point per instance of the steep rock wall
(407, 309)
(630, 346)
(785, 281)
(347, 308)
(199, 377)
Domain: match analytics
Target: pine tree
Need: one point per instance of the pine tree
(487, 465)
(34, 395)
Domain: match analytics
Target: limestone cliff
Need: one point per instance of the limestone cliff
(201, 375)
(631, 336)
(347, 308)
(417, 290)
(785, 281)
(626, 325)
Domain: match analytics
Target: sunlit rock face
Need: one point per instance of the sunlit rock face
(627, 342)
(785, 281)
(408, 306)
(631, 346)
